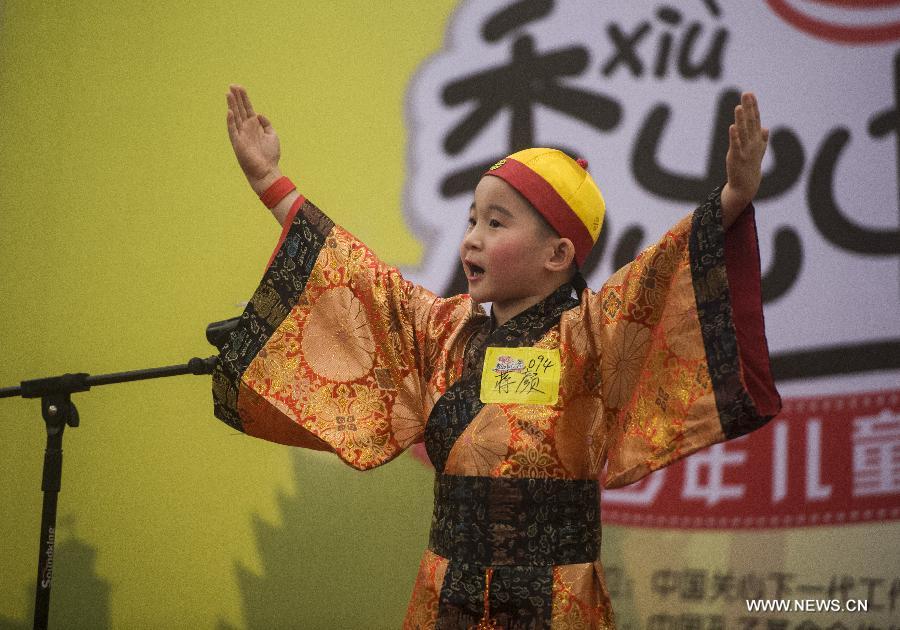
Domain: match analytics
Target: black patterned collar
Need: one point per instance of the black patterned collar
(523, 329)
(536, 316)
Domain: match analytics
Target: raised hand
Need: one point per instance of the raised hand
(253, 139)
(747, 141)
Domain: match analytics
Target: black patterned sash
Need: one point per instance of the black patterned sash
(519, 527)
(490, 521)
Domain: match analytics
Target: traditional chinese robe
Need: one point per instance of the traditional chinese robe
(336, 351)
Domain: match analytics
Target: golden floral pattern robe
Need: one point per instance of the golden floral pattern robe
(337, 352)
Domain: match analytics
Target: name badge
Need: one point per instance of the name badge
(526, 376)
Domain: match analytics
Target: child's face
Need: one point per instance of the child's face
(504, 249)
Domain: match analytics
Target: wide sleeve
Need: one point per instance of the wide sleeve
(334, 350)
(681, 342)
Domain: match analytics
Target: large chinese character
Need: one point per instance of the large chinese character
(530, 78)
(828, 216)
(711, 487)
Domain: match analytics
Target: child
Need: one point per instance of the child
(522, 409)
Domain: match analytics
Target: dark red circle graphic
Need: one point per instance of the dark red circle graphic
(875, 33)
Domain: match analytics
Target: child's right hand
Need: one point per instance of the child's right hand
(254, 141)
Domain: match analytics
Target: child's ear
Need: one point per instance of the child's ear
(562, 255)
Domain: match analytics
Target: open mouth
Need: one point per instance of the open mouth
(473, 272)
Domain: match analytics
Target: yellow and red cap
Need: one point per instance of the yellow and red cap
(561, 190)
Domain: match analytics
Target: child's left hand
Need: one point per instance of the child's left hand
(747, 141)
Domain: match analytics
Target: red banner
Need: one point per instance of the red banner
(823, 461)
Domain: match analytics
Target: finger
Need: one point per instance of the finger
(266, 124)
(239, 102)
(232, 104)
(232, 111)
(735, 148)
(243, 102)
(232, 125)
(239, 99)
(751, 108)
(734, 138)
(740, 121)
(765, 134)
(245, 98)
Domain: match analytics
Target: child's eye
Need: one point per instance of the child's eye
(495, 223)
(471, 221)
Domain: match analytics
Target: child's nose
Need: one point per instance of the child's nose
(472, 239)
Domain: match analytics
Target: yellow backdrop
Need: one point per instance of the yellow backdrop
(125, 227)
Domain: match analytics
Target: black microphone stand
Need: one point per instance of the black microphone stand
(59, 411)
